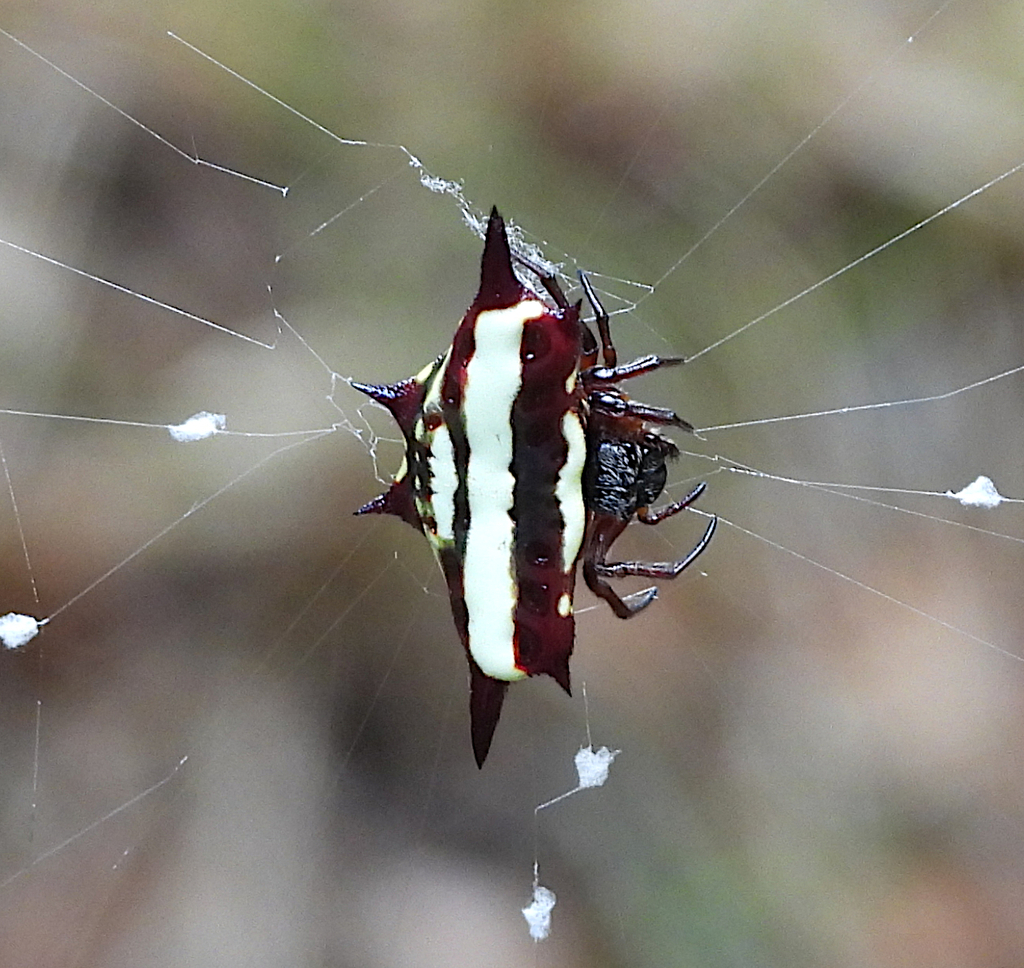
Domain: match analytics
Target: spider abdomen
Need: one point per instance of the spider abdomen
(495, 449)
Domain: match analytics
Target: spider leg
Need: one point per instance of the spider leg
(657, 415)
(638, 367)
(648, 516)
(612, 403)
(547, 279)
(608, 354)
(661, 569)
(604, 530)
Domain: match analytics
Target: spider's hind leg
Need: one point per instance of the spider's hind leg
(648, 516)
(605, 528)
(659, 569)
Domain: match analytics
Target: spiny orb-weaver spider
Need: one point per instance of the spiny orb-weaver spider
(522, 456)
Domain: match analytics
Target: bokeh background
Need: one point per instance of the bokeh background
(812, 774)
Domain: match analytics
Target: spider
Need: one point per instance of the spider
(523, 456)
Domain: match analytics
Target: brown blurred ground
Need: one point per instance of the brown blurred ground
(811, 774)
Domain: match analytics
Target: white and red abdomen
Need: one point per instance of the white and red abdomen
(493, 476)
(516, 369)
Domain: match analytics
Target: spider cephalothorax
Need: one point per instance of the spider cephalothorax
(522, 456)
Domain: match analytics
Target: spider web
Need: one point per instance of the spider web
(819, 732)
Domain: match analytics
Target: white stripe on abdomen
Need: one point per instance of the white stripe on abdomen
(444, 480)
(569, 489)
(493, 379)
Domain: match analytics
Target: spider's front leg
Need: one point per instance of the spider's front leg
(613, 403)
(641, 366)
(608, 354)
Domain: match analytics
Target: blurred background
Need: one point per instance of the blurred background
(812, 774)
